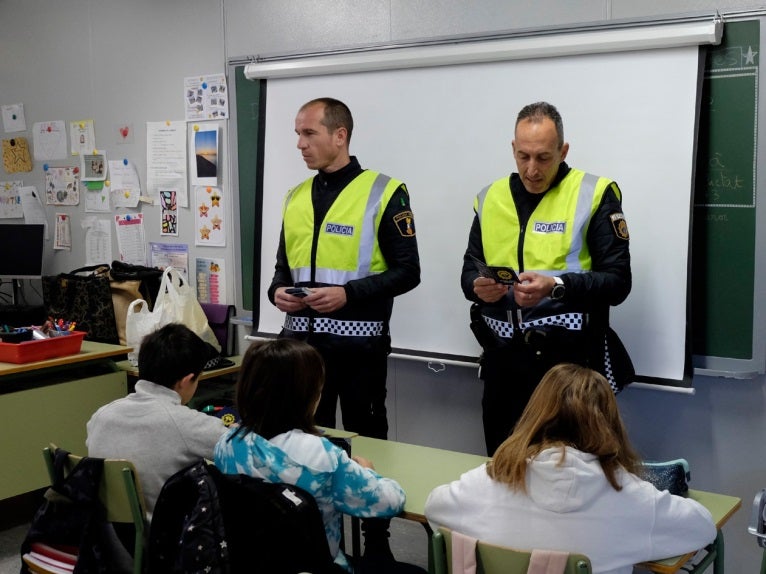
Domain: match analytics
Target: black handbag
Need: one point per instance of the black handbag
(83, 296)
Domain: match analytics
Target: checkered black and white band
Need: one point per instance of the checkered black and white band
(335, 326)
(571, 321)
(608, 372)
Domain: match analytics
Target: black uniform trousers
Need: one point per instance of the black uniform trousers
(511, 371)
(356, 376)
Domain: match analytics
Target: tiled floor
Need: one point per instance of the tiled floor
(409, 543)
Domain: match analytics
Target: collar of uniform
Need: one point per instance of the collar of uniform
(561, 174)
(339, 179)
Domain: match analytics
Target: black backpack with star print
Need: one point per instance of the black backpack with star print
(208, 522)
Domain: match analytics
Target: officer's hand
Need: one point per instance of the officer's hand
(532, 289)
(326, 299)
(286, 302)
(489, 290)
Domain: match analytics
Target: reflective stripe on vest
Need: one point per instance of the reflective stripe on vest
(570, 321)
(335, 326)
(338, 266)
(563, 215)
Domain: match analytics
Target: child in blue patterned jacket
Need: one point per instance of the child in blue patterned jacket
(277, 393)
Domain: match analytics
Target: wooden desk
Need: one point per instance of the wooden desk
(419, 469)
(90, 351)
(722, 507)
(51, 401)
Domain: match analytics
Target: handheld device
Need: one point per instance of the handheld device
(298, 291)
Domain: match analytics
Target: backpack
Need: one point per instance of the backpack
(72, 517)
(206, 521)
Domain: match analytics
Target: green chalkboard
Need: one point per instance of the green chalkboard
(723, 239)
(250, 97)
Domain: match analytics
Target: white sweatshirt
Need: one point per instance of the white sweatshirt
(572, 507)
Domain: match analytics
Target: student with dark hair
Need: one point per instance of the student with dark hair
(278, 391)
(152, 427)
(566, 480)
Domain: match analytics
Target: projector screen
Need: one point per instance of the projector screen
(446, 132)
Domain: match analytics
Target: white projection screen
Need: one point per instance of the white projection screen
(446, 132)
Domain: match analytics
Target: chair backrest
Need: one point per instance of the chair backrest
(494, 559)
(219, 318)
(119, 492)
(757, 524)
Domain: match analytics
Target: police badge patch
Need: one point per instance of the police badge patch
(620, 225)
(405, 223)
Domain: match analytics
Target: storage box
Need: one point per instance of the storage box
(41, 349)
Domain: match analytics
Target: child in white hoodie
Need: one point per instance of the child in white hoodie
(566, 480)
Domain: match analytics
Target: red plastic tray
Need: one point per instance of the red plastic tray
(41, 349)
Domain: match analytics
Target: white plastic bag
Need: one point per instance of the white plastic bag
(177, 303)
(139, 323)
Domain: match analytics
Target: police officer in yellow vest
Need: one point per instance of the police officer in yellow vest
(564, 234)
(348, 236)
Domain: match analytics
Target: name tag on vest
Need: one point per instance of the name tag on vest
(339, 229)
(550, 227)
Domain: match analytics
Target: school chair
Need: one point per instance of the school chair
(757, 525)
(119, 492)
(494, 559)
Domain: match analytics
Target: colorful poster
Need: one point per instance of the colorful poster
(62, 185)
(211, 280)
(209, 217)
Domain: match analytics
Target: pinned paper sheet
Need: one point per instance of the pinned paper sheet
(13, 118)
(63, 233)
(130, 238)
(165, 255)
(49, 140)
(211, 280)
(16, 156)
(124, 183)
(82, 137)
(166, 159)
(169, 212)
(98, 240)
(207, 97)
(209, 216)
(62, 185)
(10, 200)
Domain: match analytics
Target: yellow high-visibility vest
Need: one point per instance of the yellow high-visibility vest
(347, 245)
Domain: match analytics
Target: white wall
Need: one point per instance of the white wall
(114, 60)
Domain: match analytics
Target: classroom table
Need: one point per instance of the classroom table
(419, 469)
(50, 401)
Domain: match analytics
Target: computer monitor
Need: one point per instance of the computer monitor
(22, 246)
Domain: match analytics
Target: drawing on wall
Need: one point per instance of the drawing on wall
(209, 216)
(10, 200)
(82, 138)
(169, 216)
(62, 186)
(49, 140)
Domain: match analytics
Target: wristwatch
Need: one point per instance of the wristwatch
(557, 293)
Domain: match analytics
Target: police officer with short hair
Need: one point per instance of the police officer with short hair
(348, 235)
(564, 233)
